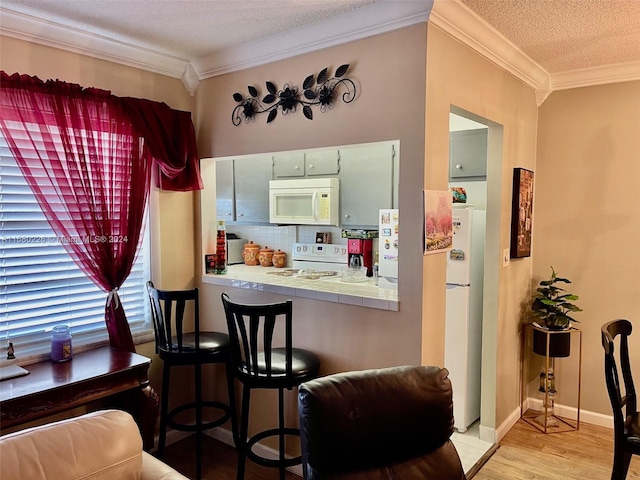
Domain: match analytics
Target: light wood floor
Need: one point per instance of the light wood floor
(524, 453)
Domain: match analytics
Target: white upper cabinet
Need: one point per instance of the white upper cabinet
(225, 195)
(322, 162)
(367, 183)
(252, 175)
(468, 154)
(288, 164)
(367, 173)
(309, 163)
(242, 189)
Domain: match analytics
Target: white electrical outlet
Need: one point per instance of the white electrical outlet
(505, 257)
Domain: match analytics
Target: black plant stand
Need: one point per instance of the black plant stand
(544, 418)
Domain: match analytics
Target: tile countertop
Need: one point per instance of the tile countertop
(331, 289)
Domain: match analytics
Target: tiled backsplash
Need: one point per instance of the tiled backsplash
(283, 238)
(307, 234)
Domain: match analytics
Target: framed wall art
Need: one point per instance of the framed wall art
(521, 213)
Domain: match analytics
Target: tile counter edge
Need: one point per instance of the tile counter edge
(331, 293)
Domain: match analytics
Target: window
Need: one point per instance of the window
(41, 286)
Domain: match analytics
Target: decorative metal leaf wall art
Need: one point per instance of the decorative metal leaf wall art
(319, 90)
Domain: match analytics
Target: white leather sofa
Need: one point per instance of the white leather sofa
(102, 445)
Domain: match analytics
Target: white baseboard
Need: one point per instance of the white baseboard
(593, 418)
(174, 436)
(508, 423)
(225, 436)
(586, 416)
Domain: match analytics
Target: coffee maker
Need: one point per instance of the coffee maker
(360, 250)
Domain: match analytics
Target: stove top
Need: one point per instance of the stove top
(320, 252)
(318, 260)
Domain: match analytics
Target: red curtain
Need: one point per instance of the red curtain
(87, 156)
(172, 141)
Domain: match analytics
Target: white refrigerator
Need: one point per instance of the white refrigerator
(463, 327)
(388, 247)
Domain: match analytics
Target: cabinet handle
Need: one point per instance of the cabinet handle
(241, 214)
(459, 167)
(296, 167)
(347, 216)
(310, 166)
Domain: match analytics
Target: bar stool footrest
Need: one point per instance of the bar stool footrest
(272, 462)
(192, 427)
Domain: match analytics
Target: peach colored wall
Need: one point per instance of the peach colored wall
(460, 77)
(46, 62)
(586, 216)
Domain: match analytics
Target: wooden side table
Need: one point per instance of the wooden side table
(117, 377)
(545, 418)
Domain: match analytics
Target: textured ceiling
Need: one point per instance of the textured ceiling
(184, 28)
(559, 35)
(564, 35)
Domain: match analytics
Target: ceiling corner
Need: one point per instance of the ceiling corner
(31, 29)
(456, 19)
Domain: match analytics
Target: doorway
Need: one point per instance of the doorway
(481, 183)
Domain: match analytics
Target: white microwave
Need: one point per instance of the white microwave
(304, 201)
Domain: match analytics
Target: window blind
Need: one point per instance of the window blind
(41, 286)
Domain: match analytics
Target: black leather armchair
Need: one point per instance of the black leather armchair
(391, 423)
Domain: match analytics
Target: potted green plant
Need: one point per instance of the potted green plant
(552, 305)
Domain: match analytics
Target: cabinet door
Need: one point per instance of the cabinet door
(324, 162)
(225, 204)
(366, 183)
(288, 164)
(468, 153)
(252, 175)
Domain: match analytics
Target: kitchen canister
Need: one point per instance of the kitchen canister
(61, 350)
(250, 254)
(266, 257)
(279, 259)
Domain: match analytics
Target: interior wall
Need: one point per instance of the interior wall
(389, 72)
(390, 95)
(457, 76)
(586, 219)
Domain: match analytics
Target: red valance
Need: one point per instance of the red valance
(168, 133)
(87, 157)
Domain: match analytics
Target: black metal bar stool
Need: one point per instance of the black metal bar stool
(178, 348)
(258, 364)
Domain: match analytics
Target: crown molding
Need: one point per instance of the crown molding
(380, 17)
(621, 72)
(456, 19)
(31, 29)
(375, 19)
(452, 16)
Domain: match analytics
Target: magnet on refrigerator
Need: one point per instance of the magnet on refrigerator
(388, 247)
